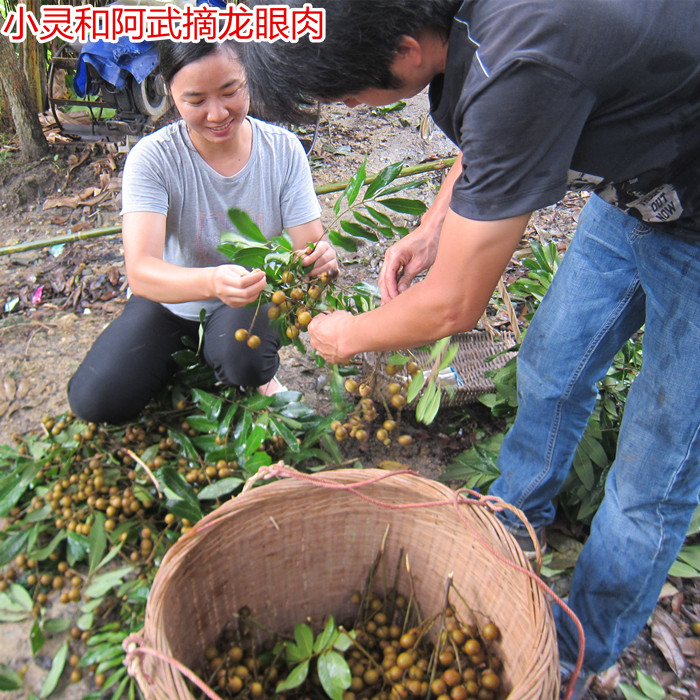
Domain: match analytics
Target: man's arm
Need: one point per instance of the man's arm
(470, 259)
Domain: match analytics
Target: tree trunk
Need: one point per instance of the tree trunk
(22, 107)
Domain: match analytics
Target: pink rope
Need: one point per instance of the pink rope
(134, 645)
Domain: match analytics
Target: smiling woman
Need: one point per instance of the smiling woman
(178, 186)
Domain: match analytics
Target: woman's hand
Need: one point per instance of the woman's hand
(236, 286)
(323, 258)
(325, 332)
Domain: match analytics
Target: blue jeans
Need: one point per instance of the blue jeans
(617, 275)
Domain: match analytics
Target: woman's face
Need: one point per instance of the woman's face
(211, 95)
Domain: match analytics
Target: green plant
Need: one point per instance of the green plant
(326, 649)
(649, 689)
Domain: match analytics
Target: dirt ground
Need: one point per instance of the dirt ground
(55, 300)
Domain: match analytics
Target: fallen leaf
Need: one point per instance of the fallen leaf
(9, 386)
(391, 465)
(690, 646)
(665, 634)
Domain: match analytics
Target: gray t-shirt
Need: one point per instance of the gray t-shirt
(604, 95)
(164, 173)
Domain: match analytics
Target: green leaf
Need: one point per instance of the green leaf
(178, 489)
(305, 639)
(449, 356)
(334, 674)
(429, 404)
(220, 488)
(413, 207)
(345, 640)
(56, 625)
(13, 486)
(295, 678)
(252, 257)
(78, 547)
(327, 638)
(358, 231)
(631, 693)
(683, 570)
(650, 687)
(353, 187)
(383, 178)
(340, 241)
(242, 221)
(97, 542)
(54, 675)
(210, 404)
(414, 388)
(20, 595)
(13, 544)
(9, 680)
(106, 582)
(36, 637)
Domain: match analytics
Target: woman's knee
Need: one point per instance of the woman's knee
(93, 399)
(251, 367)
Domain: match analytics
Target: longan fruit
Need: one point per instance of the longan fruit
(398, 400)
(241, 335)
(278, 297)
(472, 647)
(490, 681)
(254, 341)
(490, 632)
(304, 318)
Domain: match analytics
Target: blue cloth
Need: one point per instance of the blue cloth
(114, 63)
(618, 274)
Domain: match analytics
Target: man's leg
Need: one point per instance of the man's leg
(652, 488)
(130, 361)
(595, 303)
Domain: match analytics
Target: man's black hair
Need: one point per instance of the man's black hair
(362, 37)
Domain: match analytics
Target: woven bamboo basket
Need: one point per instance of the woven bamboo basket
(292, 550)
(467, 377)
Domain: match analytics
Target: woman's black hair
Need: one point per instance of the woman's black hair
(173, 56)
(362, 37)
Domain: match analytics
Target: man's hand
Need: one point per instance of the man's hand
(325, 332)
(236, 286)
(406, 259)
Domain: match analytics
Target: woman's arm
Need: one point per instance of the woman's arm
(143, 235)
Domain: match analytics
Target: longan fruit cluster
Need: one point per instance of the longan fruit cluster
(292, 305)
(359, 423)
(406, 664)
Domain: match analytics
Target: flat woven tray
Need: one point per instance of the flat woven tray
(479, 353)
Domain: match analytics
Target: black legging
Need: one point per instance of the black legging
(132, 359)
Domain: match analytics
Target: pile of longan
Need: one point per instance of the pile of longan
(390, 660)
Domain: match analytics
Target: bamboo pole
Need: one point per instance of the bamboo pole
(429, 166)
